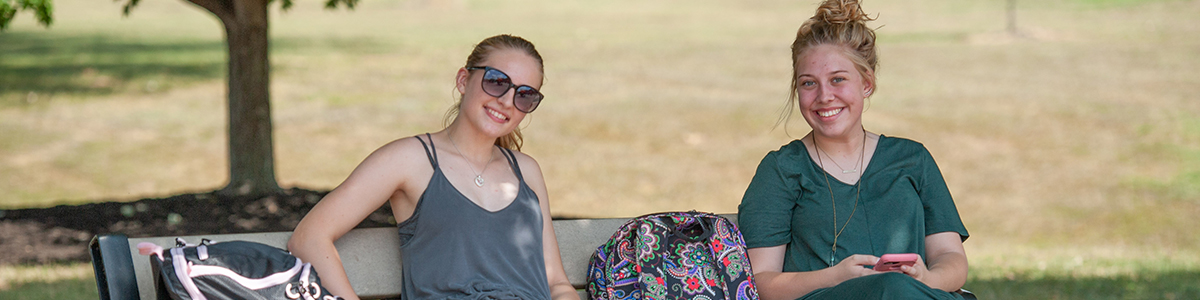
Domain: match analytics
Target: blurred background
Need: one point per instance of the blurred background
(1068, 130)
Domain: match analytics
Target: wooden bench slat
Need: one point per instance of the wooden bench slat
(578, 239)
(371, 256)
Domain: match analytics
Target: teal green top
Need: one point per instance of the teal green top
(903, 199)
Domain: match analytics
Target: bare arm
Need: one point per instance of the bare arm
(371, 184)
(947, 266)
(773, 283)
(560, 286)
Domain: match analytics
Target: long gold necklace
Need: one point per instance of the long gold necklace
(857, 191)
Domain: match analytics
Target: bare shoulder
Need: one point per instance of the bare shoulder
(402, 150)
(395, 161)
(528, 164)
(530, 170)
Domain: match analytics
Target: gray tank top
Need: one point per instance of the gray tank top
(453, 249)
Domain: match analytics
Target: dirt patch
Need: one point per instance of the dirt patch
(61, 233)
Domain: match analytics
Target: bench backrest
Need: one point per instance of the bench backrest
(370, 256)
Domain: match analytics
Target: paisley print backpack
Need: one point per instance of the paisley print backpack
(673, 255)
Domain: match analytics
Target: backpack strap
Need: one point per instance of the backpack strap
(180, 264)
(700, 229)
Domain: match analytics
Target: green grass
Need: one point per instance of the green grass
(1075, 273)
(69, 281)
(73, 289)
(90, 65)
(1152, 285)
(45, 65)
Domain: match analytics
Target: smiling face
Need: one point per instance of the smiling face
(831, 91)
(496, 116)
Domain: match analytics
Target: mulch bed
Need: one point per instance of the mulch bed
(62, 233)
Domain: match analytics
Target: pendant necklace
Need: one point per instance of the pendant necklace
(478, 175)
(857, 190)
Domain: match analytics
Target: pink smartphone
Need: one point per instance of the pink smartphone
(893, 261)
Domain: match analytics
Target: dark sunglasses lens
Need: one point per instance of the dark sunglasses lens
(527, 98)
(496, 83)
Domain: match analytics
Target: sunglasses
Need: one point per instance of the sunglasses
(496, 83)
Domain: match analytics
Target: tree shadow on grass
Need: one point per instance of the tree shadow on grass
(1144, 285)
(51, 64)
(34, 64)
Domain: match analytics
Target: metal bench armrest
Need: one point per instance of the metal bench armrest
(115, 278)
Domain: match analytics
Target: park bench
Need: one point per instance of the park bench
(371, 257)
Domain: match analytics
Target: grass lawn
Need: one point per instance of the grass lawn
(1123, 279)
(1072, 149)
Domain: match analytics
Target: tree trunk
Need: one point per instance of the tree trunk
(1012, 17)
(251, 161)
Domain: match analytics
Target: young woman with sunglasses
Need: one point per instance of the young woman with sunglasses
(823, 208)
(473, 212)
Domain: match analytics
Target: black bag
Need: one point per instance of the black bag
(673, 255)
(231, 270)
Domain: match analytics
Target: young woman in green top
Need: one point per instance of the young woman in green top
(822, 209)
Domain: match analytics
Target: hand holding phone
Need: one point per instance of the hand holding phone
(893, 261)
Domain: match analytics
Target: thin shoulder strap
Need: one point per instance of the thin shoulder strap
(430, 150)
(512, 161)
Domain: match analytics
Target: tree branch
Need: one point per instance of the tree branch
(333, 4)
(42, 8)
(222, 8)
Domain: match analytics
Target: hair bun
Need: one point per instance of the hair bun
(841, 12)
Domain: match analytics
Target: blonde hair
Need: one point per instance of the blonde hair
(841, 23)
(513, 140)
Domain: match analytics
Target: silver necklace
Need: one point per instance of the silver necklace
(478, 175)
(857, 191)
